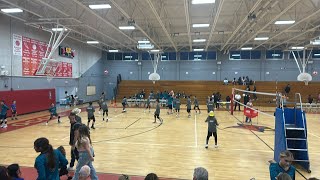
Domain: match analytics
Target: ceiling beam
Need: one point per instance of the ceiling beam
(213, 27)
(94, 29)
(186, 10)
(161, 24)
(242, 22)
(15, 3)
(294, 37)
(103, 20)
(295, 24)
(136, 25)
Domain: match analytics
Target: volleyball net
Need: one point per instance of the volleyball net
(262, 103)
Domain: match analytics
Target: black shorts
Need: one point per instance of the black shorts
(105, 111)
(178, 110)
(14, 112)
(188, 110)
(156, 115)
(196, 107)
(170, 106)
(54, 114)
(3, 117)
(93, 118)
(211, 133)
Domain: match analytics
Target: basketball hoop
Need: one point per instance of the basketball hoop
(155, 76)
(305, 77)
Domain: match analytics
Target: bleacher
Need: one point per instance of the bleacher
(203, 89)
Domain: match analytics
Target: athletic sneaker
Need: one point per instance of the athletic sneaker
(5, 126)
(59, 121)
(46, 124)
(70, 169)
(2, 125)
(102, 119)
(107, 120)
(92, 127)
(206, 146)
(216, 146)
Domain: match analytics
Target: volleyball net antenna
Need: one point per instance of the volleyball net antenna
(155, 57)
(264, 103)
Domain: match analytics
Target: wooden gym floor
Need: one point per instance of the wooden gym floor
(131, 144)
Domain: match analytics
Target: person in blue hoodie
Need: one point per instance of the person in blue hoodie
(49, 161)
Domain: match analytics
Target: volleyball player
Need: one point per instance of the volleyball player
(196, 104)
(210, 105)
(104, 107)
(3, 115)
(189, 106)
(157, 112)
(14, 110)
(124, 103)
(53, 112)
(212, 129)
(178, 103)
(90, 110)
(148, 103)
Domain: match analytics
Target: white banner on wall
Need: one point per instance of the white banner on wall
(17, 45)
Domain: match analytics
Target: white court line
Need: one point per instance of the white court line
(146, 144)
(195, 131)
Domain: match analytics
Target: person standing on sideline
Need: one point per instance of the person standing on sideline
(3, 115)
(53, 112)
(148, 103)
(228, 99)
(157, 112)
(86, 153)
(237, 98)
(124, 103)
(90, 111)
(74, 126)
(14, 110)
(47, 163)
(178, 103)
(284, 166)
(212, 129)
(189, 106)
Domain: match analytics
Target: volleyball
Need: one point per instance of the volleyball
(314, 73)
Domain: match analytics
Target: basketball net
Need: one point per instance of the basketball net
(155, 76)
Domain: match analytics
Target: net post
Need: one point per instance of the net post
(232, 103)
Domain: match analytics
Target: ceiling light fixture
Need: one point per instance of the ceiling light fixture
(296, 47)
(203, 1)
(246, 48)
(199, 40)
(284, 22)
(143, 41)
(92, 42)
(200, 25)
(59, 29)
(126, 27)
(261, 38)
(113, 50)
(198, 49)
(155, 50)
(12, 10)
(100, 6)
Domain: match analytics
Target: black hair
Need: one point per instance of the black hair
(13, 170)
(90, 103)
(151, 176)
(45, 148)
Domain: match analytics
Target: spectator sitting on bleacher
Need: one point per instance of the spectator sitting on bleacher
(319, 97)
(240, 81)
(234, 81)
(287, 89)
(310, 99)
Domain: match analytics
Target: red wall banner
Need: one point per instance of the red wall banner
(32, 53)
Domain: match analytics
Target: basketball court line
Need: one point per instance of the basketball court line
(195, 131)
(313, 135)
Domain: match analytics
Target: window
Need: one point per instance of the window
(117, 56)
(316, 54)
(110, 56)
(147, 56)
(274, 54)
(129, 56)
(184, 55)
(244, 55)
(212, 55)
(298, 54)
(172, 56)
